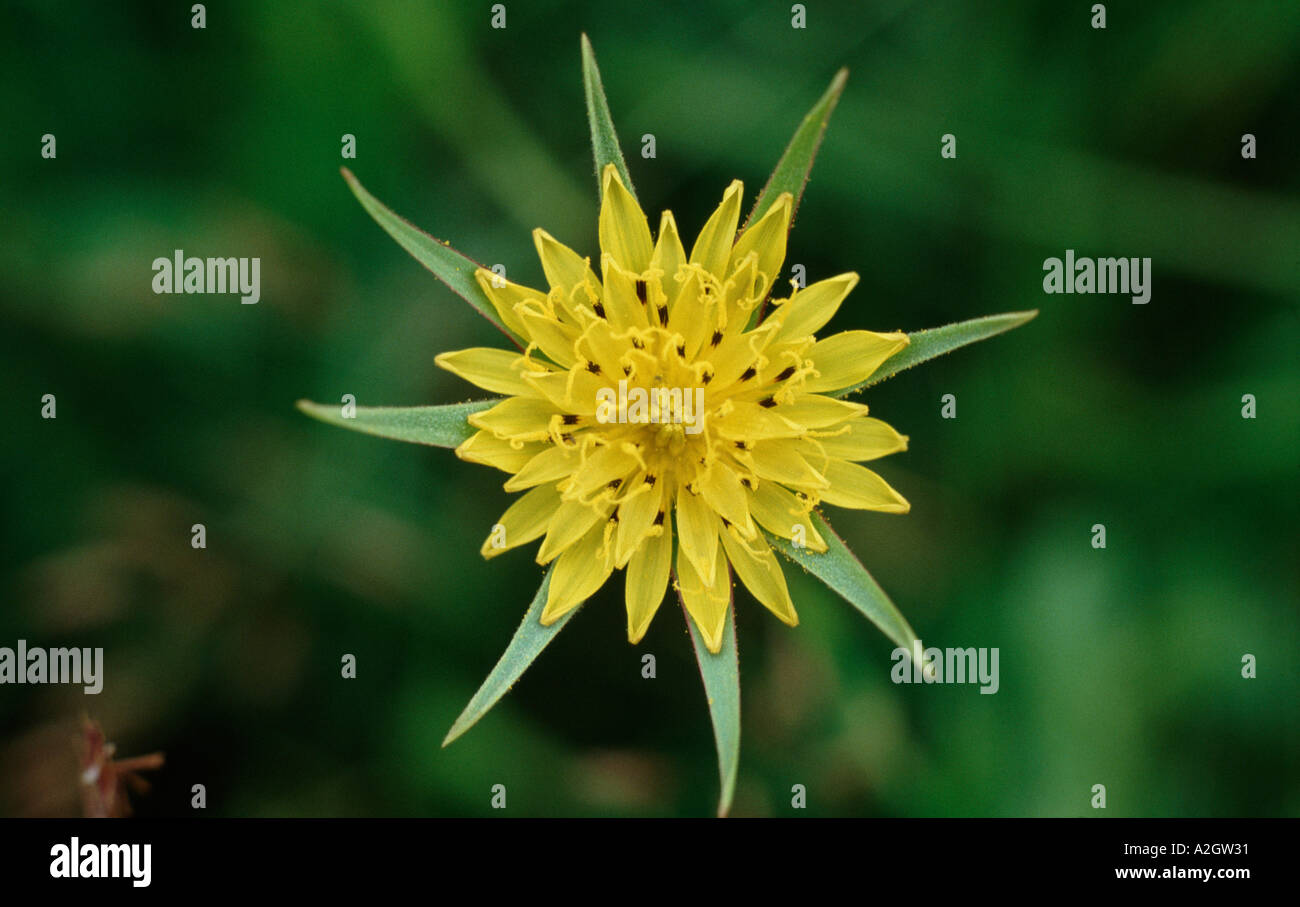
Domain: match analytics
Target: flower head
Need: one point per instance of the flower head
(655, 424)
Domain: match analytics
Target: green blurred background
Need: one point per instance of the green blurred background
(1118, 666)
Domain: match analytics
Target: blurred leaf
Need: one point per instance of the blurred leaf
(448, 265)
(604, 140)
(840, 569)
(925, 345)
(525, 646)
(791, 173)
(721, 675)
(439, 426)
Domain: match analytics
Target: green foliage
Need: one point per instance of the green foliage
(721, 675)
(439, 426)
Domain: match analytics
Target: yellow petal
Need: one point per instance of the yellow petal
(697, 533)
(850, 357)
(623, 306)
(734, 356)
(486, 448)
(499, 371)
(721, 489)
(647, 579)
(816, 411)
(552, 336)
(706, 603)
(863, 439)
(564, 268)
(766, 238)
(712, 249)
(781, 461)
(624, 232)
(858, 487)
(606, 468)
(639, 512)
(668, 256)
(571, 522)
(550, 465)
(524, 520)
(692, 315)
(808, 310)
(517, 418)
(781, 513)
(574, 391)
(600, 345)
(761, 574)
(505, 298)
(748, 421)
(579, 572)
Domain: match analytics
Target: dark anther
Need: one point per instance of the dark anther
(768, 402)
(717, 338)
(640, 290)
(785, 373)
(600, 309)
(593, 368)
(659, 518)
(569, 419)
(748, 373)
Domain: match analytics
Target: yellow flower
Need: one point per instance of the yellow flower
(654, 427)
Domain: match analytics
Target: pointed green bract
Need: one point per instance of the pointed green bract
(792, 170)
(525, 646)
(604, 140)
(439, 426)
(923, 346)
(448, 265)
(791, 173)
(840, 569)
(721, 674)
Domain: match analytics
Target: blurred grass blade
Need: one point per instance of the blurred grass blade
(439, 426)
(604, 140)
(791, 173)
(525, 646)
(925, 345)
(840, 569)
(721, 675)
(448, 265)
